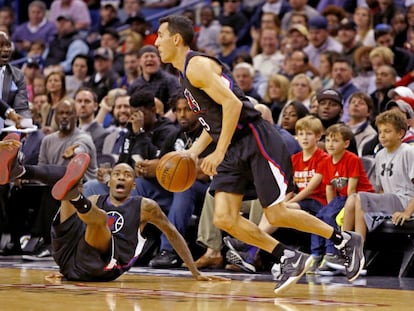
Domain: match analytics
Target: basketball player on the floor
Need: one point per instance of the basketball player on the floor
(96, 239)
(249, 151)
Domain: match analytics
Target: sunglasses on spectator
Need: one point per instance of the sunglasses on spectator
(232, 1)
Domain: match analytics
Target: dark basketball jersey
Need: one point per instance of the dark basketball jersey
(123, 221)
(210, 113)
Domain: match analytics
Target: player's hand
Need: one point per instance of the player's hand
(137, 121)
(203, 277)
(210, 163)
(70, 152)
(146, 168)
(16, 118)
(102, 174)
(106, 104)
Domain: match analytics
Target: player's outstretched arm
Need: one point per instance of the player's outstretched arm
(152, 213)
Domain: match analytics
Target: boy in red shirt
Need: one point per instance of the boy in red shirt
(343, 174)
(307, 167)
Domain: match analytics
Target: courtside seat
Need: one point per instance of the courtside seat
(388, 240)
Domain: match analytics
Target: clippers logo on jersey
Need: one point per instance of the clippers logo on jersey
(195, 108)
(115, 221)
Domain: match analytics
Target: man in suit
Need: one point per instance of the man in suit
(13, 104)
(13, 94)
(86, 104)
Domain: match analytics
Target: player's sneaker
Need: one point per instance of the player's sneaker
(10, 168)
(238, 254)
(352, 249)
(66, 188)
(293, 264)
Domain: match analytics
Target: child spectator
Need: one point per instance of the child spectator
(394, 166)
(307, 168)
(343, 174)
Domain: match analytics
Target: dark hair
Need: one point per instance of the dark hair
(305, 56)
(301, 14)
(334, 10)
(381, 30)
(172, 102)
(341, 129)
(141, 98)
(364, 97)
(331, 56)
(81, 56)
(179, 24)
(243, 57)
(300, 108)
(342, 59)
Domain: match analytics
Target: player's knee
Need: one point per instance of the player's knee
(223, 222)
(276, 214)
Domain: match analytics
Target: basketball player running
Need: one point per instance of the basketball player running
(249, 151)
(96, 239)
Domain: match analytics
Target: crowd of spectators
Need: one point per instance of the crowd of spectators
(91, 68)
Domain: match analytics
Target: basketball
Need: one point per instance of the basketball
(176, 171)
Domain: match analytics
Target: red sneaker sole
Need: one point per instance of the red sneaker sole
(6, 159)
(74, 172)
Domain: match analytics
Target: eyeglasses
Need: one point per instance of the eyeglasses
(232, 1)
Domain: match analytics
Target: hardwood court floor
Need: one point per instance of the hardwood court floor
(23, 287)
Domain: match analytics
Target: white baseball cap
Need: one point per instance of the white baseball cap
(401, 91)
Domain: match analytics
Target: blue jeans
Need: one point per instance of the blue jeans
(320, 245)
(182, 207)
(150, 188)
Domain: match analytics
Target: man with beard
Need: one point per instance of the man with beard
(86, 103)
(183, 203)
(330, 108)
(59, 148)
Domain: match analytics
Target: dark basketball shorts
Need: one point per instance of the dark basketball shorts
(259, 159)
(78, 261)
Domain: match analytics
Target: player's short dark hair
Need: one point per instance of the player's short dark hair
(179, 24)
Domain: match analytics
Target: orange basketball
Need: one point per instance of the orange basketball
(176, 171)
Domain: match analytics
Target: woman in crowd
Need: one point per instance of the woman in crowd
(55, 90)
